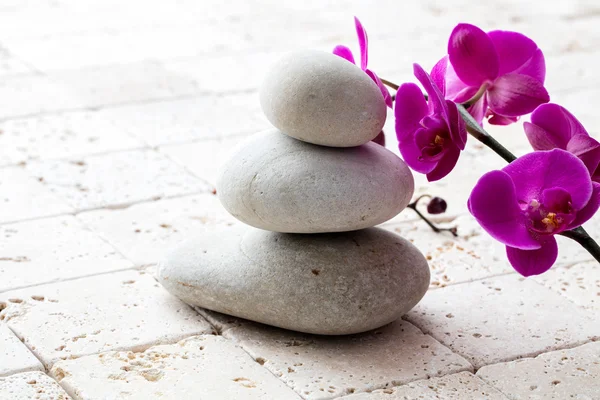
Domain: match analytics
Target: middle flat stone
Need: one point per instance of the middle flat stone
(281, 184)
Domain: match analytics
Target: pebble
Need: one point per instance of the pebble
(281, 184)
(331, 284)
(323, 99)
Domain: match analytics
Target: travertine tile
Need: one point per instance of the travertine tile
(321, 367)
(24, 197)
(14, 356)
(120, 311)
(29, 386)
(461, 386)
(23, 95)
(502, 318)
(118, 84)
(228, 72)
(565, 374)
(42, 251)
(68, 134)
(579, 283)
(144, 232)
(450, 260)
(116, 178)
(184, 120)
(208, 367)
(203, 158)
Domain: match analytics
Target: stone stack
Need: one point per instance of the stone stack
(315, 187)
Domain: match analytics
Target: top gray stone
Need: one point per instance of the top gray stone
(322, 99)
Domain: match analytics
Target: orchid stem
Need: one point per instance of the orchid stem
(480, 134)
(578, 234)
(581, 236)
(390, 84)
(413, 206)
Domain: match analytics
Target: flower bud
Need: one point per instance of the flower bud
(437, 205)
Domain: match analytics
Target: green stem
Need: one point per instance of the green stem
(578, 234)
(480, 134)
(413, 206)
(390, 84)
(581, 236)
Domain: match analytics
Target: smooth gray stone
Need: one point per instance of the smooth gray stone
(330, 284)
(323, 99)
(281, 184)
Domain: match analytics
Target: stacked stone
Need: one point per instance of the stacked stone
(315, 187)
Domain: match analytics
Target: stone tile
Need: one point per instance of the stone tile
(184, 120)
(24, 95)
(116, 178)
(9, 65)
(100, 86)
(450, 260)
(144, 232)
(178, 371)
(30, 256)
(24, 197)
(31, 385)
(203, 158)
(322, 367)
(502, 318)
(579, 283)
(14, 356)
(59, 136)
(228, 72)
(121, 311)
(461, 386)
(565, 374)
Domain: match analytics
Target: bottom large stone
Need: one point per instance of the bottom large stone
(330, 284)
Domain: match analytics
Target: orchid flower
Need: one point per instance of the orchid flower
(532, 199)
(363, 43)
(552, 126)
(431, 133)
(503, 71)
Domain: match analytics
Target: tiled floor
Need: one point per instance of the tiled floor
(114, 117)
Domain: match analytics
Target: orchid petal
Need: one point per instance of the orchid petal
(497, 119)
(587, 149)
(445, 164)
(479, 109)
(363, 42)
(533, 262)
(458, 130)
(494, 203)
(435, 95)
(411, 154)
(409, 110)
(384, 91)
(535, 67)
(558, 123)
(455, 89)
(590, 208)
(540, 170)
(438, 74)
(513, 95)
(514, 50)
(344, 52)
(473, 55)
(540, 139)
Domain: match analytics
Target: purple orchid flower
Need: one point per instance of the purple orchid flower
(507, 66)
(363, 42)
(532, 199)
(552, 126)
(431, 134)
